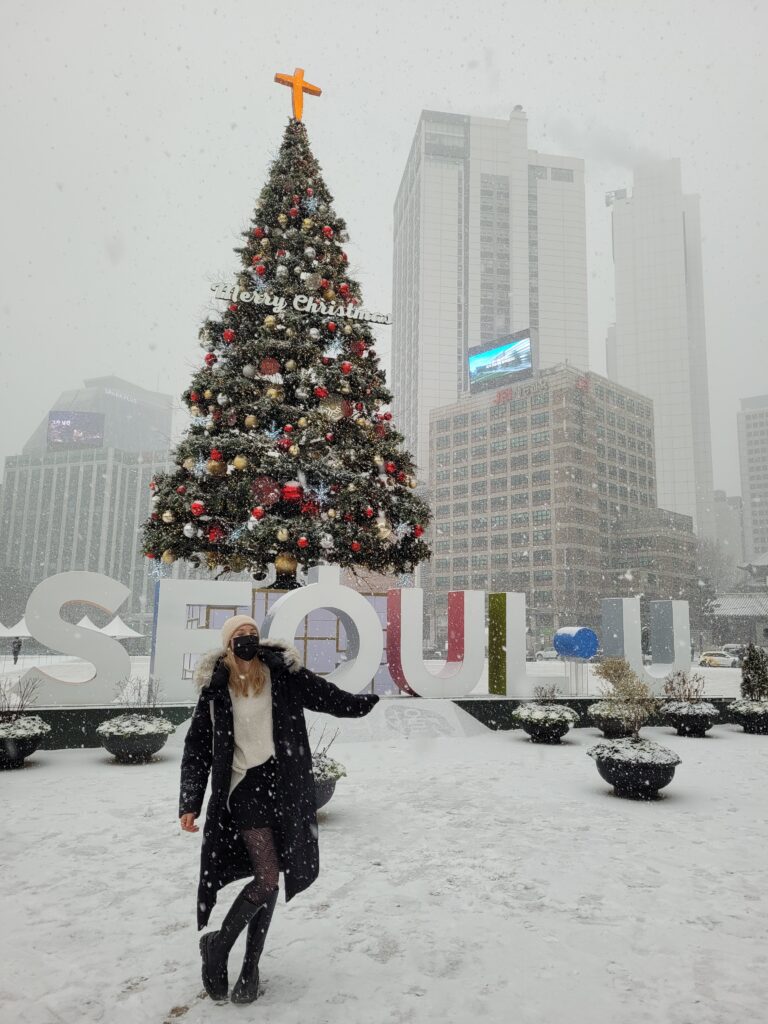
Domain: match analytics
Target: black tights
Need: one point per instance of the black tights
(260, 844)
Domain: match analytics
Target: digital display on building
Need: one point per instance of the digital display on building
(500, 362)
(75, 430)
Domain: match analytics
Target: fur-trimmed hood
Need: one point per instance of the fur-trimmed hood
(275, 651)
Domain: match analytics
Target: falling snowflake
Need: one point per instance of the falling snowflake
(199, 469)
(310, 205)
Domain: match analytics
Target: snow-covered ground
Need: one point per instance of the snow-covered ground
(720, 682)
(471, 877)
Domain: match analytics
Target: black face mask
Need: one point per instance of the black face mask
(245, 647)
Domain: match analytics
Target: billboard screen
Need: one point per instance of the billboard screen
(500, 362)
(75, 430)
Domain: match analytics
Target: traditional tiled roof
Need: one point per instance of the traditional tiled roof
(745, 606)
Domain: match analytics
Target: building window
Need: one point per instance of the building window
(538, 457)
(460, 421)
(561, 174)
(461, 438)
(540, 399)
(479, 433)
(498, 522)
(479, 469)
(479, 486)
(537, 171)
(518, 461)
(542, 437)
(498, 465)
(461, 455)
(460, 472)
(460, 491)
(541, 497)
(541, 515)
(539, 419)
(517, 539)
(499, 446)
(460, 526)
(460, 508)
(541, 476)
(480, 506)
(543, 557)
(542, 536)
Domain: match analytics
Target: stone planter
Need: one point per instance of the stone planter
(635, 770)
(545, 732)
(324, 790)
(612, 728)
(134, 749)
(544, 723)
(751, 715)
(14, 751)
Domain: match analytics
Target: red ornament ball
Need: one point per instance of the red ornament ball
(346, 366)
(151, 554)
(210, 358)
(258, 232)
(331, 326)
(269, 365)
(303, 542)
(344, 289)
(387, 416)
(216, 455)
(295, 200)
(359, 406)
(261, 269)
(216, 415)
(328, 231)
(181, 489)
(390, 467)
(257, 258)
(232, 307)
(320, 392)
(326, 360)
(368, 511)
(347, 517)
(329, 437)
(194, 396)
(401, 477)
(310, 192)
(418, 530)
(197, 508)
(345, 259)
(215, 534)
(288, 428)
(293, 212)
(355, 545)
(292, 491)
(324, 283)
(257, 512)
(228, 335)
(284, 443)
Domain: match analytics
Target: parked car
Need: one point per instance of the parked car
(735, 650)
(718, 659)
(548, 654)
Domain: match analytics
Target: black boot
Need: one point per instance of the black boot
(246, 987)
(215, 946)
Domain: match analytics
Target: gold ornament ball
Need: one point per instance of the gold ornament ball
(211, 560)
(285, 563)
(265, 244)
(384, 531)
(282, 534)
(301, 421)
(290, 364)
(347, 329)
(344, 389)
(329, 294)
(207, 394)
(270, 322)
(188, 464)
(282, 219)
(378, 460)
(168, 516)
(306, 224)
(273, 393)
(412, 483)
(289, 332)
(294, 449)
(331, 513)
(362, 421)
(194, 410)
(168, 556)
(250, 421)
(237, 563)
(351, 487)
(240, 462)
(215, 468)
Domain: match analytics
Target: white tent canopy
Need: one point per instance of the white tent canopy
(85, 623)
(20, 630)
(5, 632)
(118, 629)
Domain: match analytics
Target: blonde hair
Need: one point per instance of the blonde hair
(249, 682)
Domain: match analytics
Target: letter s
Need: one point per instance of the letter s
(109, 658)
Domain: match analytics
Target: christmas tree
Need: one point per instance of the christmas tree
(291, 456)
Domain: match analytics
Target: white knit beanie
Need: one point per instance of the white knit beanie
(234, 623)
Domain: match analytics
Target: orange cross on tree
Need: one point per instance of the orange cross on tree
(299, 87)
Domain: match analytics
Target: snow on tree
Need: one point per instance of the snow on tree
(291, 456)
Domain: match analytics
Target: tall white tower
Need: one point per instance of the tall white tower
(658, 346)
(489, 239)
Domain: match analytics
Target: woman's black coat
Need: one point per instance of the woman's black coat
(209, 748)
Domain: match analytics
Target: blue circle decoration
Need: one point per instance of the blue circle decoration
(576, 642)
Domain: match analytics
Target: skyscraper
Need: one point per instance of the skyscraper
(658, 345)
(78, 494)
(489, 239)
(752, 423)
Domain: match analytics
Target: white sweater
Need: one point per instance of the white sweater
(254, 741)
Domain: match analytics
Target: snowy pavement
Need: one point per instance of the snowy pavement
(463, 879)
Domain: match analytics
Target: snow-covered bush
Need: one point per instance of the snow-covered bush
(24, 727)
(325, 768)
(749, 707)
(612, 709)
(136, 725)
(631, 751)
(540, 714)
(632, 698)
(693, 709)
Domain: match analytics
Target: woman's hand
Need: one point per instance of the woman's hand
(187, 822)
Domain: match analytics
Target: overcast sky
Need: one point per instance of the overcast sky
(136, 137)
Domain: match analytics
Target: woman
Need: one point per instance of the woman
(248, 733)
